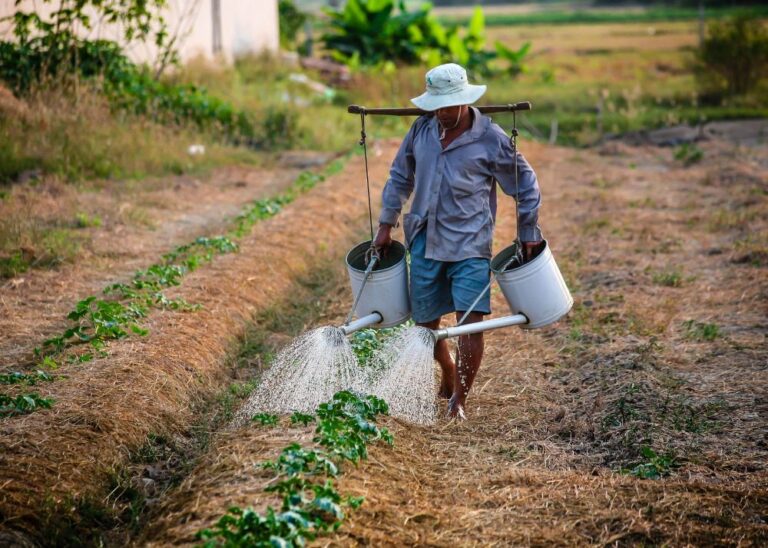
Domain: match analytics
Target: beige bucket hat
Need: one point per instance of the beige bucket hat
(447, 86)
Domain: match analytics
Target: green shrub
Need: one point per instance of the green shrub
(654, 466)
(670, 278)
(291, 20)
(371, 32)
(688, 154)
(281, 128)
(700, 331)
(265, 419)
(734, 55)
(13, 264)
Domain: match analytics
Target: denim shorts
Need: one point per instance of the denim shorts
(442, 287)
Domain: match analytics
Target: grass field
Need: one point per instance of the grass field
(586, 81)
(565, 13)
(640, 417)
(594, 71)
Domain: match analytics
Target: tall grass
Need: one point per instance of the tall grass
(78, 137)
(263, 86)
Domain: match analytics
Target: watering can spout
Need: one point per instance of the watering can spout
(478, 327)
(366, 321)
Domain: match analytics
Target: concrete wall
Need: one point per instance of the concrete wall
(246, 26)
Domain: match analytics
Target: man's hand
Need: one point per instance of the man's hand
(532, 249)
(383, 239)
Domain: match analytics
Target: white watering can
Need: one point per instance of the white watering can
(535, 291)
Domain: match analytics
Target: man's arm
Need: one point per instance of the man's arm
(397, 190)
(528, 198)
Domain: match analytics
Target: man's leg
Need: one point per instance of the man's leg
(431, 298)
(470, 355)
(443, 357)
(469, 280)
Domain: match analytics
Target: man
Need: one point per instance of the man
(451, 161)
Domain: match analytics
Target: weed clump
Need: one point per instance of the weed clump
(701, 331)
(653, 466)
(669, 278)
(688, 154)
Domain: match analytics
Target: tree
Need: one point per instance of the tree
(734, 55)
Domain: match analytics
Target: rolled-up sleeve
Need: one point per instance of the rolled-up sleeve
(529, 197)
(399, 186)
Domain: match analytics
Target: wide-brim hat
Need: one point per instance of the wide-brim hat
(447, 86)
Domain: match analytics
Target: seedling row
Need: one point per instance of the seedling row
(121, 309)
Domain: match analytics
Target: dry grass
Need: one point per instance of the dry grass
(53, 462)
(626, 37)
(37, 223)
(558, 413)
(80, 138)
(138, 223)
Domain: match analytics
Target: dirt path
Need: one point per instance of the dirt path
(660, 369)
(138, 228)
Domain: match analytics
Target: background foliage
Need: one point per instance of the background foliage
(372, 32)
(734, 55)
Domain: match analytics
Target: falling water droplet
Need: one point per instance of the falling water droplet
(305, 374)
(402, 373)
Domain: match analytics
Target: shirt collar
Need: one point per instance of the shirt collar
(479, 126)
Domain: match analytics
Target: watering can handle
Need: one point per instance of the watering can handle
(372, 257)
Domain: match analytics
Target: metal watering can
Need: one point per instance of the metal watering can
(535, 291)
(380, 286)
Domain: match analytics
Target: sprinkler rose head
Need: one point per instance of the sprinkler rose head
(334, 335)
(427, 335)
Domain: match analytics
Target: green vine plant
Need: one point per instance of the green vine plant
(304, 478)
(57, 32)
(122, 308)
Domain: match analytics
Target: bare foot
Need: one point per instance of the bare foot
(446, 387)
(456, 410)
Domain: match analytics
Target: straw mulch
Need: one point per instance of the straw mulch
(137, 227)
(560, 416)
(56, 464)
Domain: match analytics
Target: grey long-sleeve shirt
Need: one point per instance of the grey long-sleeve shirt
(454, 188)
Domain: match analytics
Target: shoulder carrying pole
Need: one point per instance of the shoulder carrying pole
(485, 109)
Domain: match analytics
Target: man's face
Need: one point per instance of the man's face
(447, 116)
